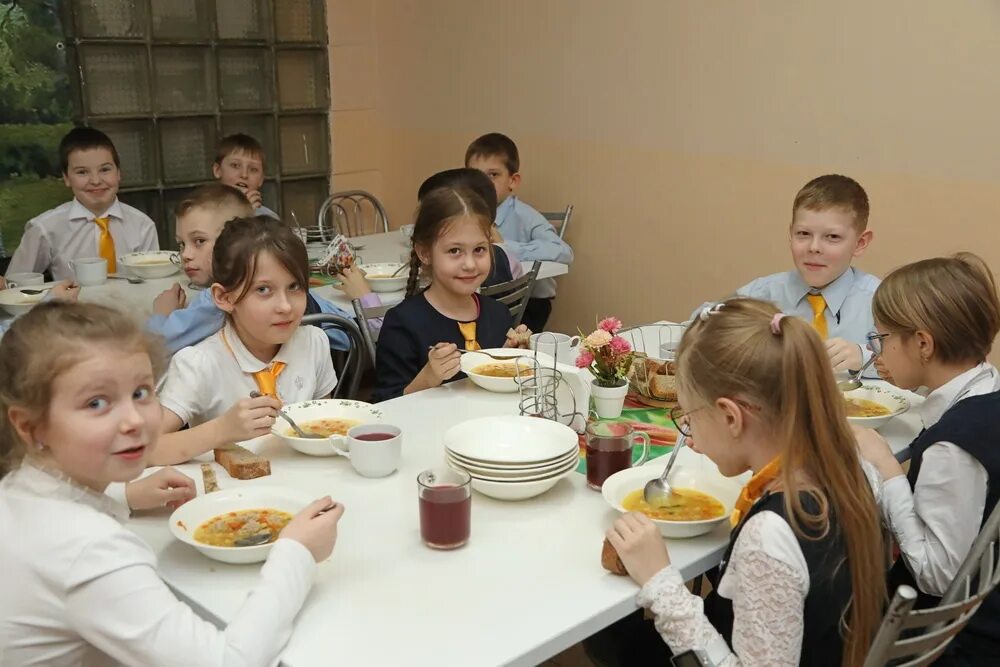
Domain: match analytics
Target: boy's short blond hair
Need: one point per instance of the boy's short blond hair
(834, 191)
(216, 196)
(238, 143)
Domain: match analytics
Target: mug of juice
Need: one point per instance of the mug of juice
(445, 498)
(609, 450)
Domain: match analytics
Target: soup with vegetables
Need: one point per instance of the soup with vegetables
(503, 370)
(860, 407)
(683, 505)
(226, 529)
(327, 427)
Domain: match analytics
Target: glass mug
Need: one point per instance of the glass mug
(445, 497)
(609, 450)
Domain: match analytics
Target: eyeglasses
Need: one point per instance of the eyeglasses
(875, 342)
(682, 418)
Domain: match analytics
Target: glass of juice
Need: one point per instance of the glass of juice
(609, 449)
(445, 498)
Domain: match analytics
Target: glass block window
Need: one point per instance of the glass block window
(167, 80)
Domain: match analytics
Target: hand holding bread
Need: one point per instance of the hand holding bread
(639, 545)
(518, 337)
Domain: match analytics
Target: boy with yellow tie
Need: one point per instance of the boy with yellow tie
(94, 223)
(829, 229)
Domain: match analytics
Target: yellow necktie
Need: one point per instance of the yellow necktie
(267, 379)
(818, 304)
(468, 330)
(106, 244)
(751, 492)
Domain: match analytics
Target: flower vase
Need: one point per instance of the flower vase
(608, 401)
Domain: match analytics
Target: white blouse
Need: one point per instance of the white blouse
(80, 589)
(767, 580)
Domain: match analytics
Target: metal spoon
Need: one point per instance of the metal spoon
(295, 427)
(262, 537)
(130, 279)
(396, 272)
(508, 357)
(33, 292)
(657, 491)
(853, 380)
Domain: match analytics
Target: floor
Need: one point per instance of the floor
(571, 657)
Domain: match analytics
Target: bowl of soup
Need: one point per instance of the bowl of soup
(151, 264)
(702, 500)
(502, 375)
(330, 418)
(380, 278)
(873, 406)
(19, 300)
(218, 524)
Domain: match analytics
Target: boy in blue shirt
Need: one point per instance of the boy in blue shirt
(524, 230)
(239, 162)
(200, 220)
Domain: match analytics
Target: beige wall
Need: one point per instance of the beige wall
(681, 130)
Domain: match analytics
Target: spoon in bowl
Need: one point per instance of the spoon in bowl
(291, 422)
(657, 491)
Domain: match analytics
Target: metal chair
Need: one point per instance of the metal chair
(363, 315)
(514, 293)
(977, 578)
(349, 374)
(351, 213)
(560, 219)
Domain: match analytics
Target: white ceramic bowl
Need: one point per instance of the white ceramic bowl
(508, 439)
(480, 467)
(471, 360)
(378, 276)
(690, 472)
(894, 401)
(332, 408)
(15, 302)
(516, 490)
(150, 264)
(186, 518)
(513, 476)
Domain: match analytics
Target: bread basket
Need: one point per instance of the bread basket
(652, 375)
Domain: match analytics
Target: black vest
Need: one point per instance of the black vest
(974, 425)
(827, 602)
(500, 273)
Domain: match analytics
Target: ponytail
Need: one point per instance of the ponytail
(413, 281)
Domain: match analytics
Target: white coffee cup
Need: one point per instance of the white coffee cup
(90, 270)
(373, 458)
(25, 279)
(557, 345)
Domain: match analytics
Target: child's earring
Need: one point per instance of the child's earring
(40, 446)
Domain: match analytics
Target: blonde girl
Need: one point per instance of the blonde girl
(420, 338)
(937, 319)
(77, 415)
(802, 579)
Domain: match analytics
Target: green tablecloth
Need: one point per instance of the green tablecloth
(654, 421)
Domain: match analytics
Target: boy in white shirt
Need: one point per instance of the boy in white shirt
(94, 223)
(523, 229)
(239, 162)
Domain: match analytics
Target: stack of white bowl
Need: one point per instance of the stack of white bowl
(512, 458)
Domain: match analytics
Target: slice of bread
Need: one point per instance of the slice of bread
(241, 463)
(663, 387)
(611, 561)
(208, 477)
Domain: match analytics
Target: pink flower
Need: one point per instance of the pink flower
(610, 324)
(599, 338)
(620, 346)
(584, 359)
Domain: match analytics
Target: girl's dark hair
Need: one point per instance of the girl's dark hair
(46, 342)
(234, 258)
(463, 177)
(435, 212)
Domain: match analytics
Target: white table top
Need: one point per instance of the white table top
(528, 585)
(138, 299)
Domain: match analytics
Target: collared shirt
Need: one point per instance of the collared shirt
(263, 210)
(80, 589)
(67, 232)
(204, 381)
(936, 523)
(531, 237)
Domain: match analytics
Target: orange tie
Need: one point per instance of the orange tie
(468, 330)
(267, 379)
(818, 304)
(751, 492)
(106, 244)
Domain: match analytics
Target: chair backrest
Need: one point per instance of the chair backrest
(514, 293)
(351, 213)
(364, 315)
(350, 374)
(977, 578)
(560, 219)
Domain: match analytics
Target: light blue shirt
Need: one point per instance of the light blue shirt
(201, 318)
(263, 210)
(530, 236)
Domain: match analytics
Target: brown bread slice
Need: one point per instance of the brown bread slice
(611, 561)
(241, 463)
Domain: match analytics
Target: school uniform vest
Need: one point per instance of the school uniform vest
(974, 425)
(826, 604)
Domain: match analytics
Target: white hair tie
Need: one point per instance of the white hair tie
(708, 311)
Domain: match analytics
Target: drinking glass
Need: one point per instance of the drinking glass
(609, 450)
(445, 497)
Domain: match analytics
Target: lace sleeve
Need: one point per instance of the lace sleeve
(768, 594)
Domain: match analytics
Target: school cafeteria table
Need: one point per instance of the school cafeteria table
(528, 585)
